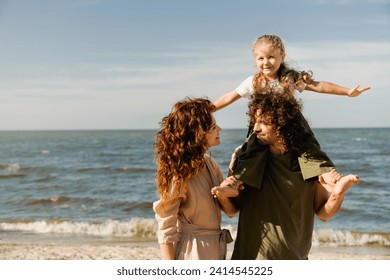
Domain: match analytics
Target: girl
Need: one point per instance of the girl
(188, 215)
(269, 53)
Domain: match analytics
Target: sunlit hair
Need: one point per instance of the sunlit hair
(288, 77)
(181, 142)
(283, 112)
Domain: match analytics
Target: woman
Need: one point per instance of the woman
(188, 215)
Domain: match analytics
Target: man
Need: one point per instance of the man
(277, 206)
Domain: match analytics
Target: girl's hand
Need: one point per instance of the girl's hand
(353, 92)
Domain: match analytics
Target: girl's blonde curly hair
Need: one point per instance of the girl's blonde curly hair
(288, 77)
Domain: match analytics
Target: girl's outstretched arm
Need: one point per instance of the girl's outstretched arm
(226, 99)
(329, 88)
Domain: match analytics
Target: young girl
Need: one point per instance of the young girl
(269, 53)
(188, 215)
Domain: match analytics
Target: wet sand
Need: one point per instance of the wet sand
(140, 252)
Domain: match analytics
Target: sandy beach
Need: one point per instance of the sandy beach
(132, 252)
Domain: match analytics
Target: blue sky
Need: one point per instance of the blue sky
(119, 64)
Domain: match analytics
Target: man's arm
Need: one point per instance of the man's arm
(326, 205)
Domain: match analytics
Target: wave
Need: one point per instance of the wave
(8, 176)
(334, 238)
(10, 171)
(124, 169)
(136, 229)
(138, 205)
(12, 168)
(145, 229)
(47, 178)
(88, 169)
(57, 199)
(115, 154)
(338, 238)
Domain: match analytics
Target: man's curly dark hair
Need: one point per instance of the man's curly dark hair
(283, 112)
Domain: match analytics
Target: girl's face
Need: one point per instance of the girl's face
(212, 135)
(268, 59)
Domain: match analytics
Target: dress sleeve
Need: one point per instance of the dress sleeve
(217, 170)
(166, 213)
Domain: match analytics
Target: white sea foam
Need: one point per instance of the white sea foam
(136, 228)
(145, 229)
(334, 238)
(346, 238)
(9, 168)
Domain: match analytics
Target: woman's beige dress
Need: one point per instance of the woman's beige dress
(191, 219)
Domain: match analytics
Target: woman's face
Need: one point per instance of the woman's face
(212, 135)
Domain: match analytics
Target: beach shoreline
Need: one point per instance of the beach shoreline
(147, 251)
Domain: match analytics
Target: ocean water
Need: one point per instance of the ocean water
(98, 186)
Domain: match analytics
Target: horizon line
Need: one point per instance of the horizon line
(151, 129)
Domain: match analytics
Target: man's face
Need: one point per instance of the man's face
(265, 132)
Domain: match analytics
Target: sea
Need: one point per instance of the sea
(80, 187)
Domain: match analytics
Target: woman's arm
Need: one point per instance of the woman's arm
(229, 189)
(167, 251)
(166, 216)
(227, 206)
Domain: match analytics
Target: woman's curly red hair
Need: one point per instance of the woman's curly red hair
(180, 143)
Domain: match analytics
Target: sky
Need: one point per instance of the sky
(122, 64)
